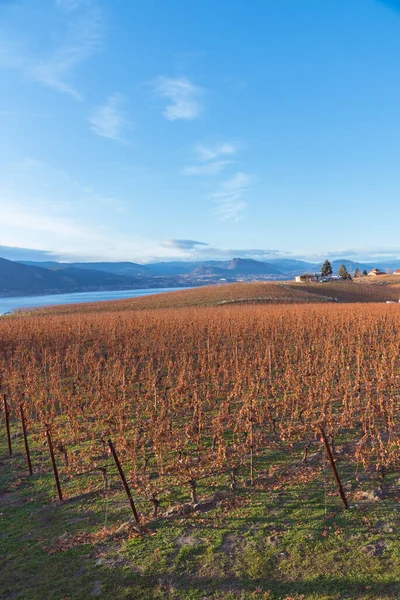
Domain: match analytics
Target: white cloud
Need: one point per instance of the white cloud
(108, 120)
(42, 207)
(183, 244)
(19, 217)
(212, 152)
(82, 37)
(228, 199)
(183, 96)
(211, 168)
(211, 159)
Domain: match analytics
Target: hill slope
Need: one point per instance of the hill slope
(127, 269)
(17, 279)
(247, 266)
(256, 292)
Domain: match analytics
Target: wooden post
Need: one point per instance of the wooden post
(193, 490)
(125, 483)
(28, 454)
(7, 418)
(53, 462)
(334, 469)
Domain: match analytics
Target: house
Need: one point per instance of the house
(376, 272)
(397, 272)
(306, 278)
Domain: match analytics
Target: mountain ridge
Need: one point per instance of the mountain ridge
(52, 277)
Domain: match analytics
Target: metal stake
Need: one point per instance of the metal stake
(53, 462)
(7, 417)
(28, 455)
(125, 483)
(334, 469)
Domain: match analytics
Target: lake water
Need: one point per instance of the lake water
(11, 304)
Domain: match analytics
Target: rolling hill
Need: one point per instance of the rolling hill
(248, 266)
(236, 294)
(127, 269)
(17, 279)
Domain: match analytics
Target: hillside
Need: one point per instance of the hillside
(17, 279)
(257, 292)
(52, 277)
(242, 266)
(91, 278)
(280, 267)
(127, 269)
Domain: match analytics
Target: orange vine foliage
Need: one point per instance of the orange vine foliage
(190, 392)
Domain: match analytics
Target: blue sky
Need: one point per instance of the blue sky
(188, 129)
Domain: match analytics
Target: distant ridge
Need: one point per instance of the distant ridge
(129, 269)
(237, 266)
(249, 266)
(51, 277)
(17, 279)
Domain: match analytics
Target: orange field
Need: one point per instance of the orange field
(191, 392)
(244, 293)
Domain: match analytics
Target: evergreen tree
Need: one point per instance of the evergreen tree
(343, 273)
(357, 273)
(326, 269)
(365, 272)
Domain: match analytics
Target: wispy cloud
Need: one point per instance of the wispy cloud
(211, 159)
(19, 217)
(108, 120)
(183, 95)
(183, 244)
(229, 198)
(82, 36)
(205, 153)
(211, 168)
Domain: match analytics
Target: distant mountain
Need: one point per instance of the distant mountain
(92, 278)
(49, 277)
(17, 279)
(48, 264)
(292, 266)
(128, 269)
(175, 267)
(248, 266)
(205, 270)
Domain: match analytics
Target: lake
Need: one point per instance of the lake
(11, 304)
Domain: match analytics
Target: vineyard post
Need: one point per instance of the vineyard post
(53, 462)
(125, 483)
(156, 503)
(333, 466)
(7, 418)
(28, 455)
(193, 490)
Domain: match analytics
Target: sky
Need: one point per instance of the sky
(190, 130)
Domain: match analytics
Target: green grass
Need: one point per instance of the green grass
(267, 542)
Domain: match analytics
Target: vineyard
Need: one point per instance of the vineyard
(238, 293)
(210, 411)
